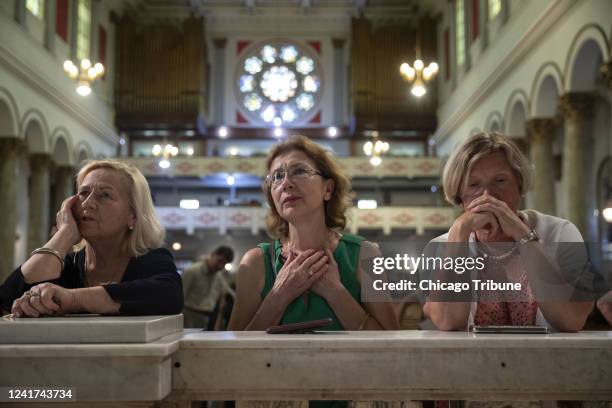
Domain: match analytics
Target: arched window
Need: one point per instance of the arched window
(83, 41)
(494, 7)
(460, 32)
(36, 7)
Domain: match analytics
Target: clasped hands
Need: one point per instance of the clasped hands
(310, 270)
(491, 218)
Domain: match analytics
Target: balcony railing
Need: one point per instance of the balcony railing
(411, 167)
(253, 218)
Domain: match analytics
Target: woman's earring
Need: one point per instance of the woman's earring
(131, 227)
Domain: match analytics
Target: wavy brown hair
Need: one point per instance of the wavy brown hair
(335, 207)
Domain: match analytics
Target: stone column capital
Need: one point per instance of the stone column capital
(65, 171)
(220, 42)
(39, 161)
(574, 105)
(606, 74)
(541, 128)
(338, 43)
(9, 144)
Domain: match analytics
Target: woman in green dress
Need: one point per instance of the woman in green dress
(311, 271)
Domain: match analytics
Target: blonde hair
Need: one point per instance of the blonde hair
(148, 232)
(481, 144)
(335, 207)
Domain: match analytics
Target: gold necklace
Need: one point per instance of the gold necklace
(114, 277)
(290, 247)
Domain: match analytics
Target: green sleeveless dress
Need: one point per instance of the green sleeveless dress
(346, 255)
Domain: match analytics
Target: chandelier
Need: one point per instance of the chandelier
(418, 74)
(375, 149)
(165, 152)
(85, 74)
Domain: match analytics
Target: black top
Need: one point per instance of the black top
(150, 286)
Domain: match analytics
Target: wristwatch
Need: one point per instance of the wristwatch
(530, 236)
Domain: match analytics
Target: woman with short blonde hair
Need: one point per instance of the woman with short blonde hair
(148, 232)
(106, 255)
(463, 158)
(486, 176)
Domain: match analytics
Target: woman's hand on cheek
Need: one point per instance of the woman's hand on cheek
(65, 218)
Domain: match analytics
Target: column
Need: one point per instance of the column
(339, 81)
(50, 11)
(541, 133)
(63, 187)
(8, 203)
(73, 30)
(219, 81)
(484, 24)
(20, 12)
(577, 110)
(606, 74)
(38, 211)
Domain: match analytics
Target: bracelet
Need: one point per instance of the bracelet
(51, 251)
(364, 321)
(530, 236)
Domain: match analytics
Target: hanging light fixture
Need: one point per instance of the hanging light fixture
(85, 74)
(375, 149)
(165, 152)
(418, 74)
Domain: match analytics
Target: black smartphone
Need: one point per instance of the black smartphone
(511, 329)
(302, 327)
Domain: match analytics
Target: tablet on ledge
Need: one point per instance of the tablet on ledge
(302, 327)
(511, 329)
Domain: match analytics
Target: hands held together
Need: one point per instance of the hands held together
(490, 218)
(310, 270)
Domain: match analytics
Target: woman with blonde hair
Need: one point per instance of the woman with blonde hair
(106, 255)
(312, 270)
(486, 176)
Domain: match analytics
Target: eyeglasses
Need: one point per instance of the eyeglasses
(295, 173)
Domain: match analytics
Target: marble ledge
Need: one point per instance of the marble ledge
(162, 347)
(394, 340)
(88, 329)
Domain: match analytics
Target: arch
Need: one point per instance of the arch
(588, 50)
(82, 152)
(35, 131)
(61, 147)
(516, 113)
(545, 90)
(494, 122)
(9, 114)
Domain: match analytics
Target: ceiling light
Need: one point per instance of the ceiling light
(190, 204)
